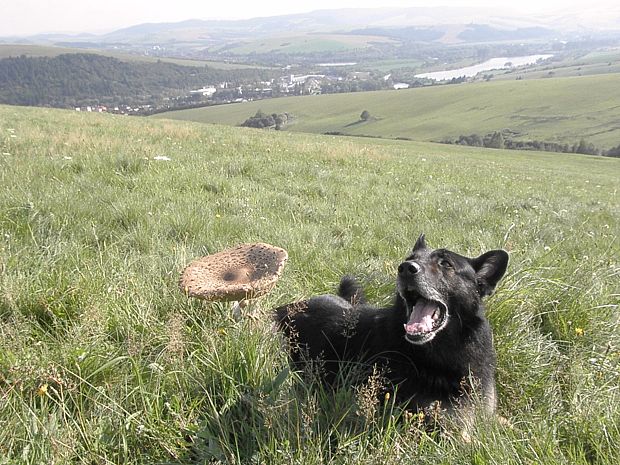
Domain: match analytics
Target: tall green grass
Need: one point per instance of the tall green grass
(104, 360)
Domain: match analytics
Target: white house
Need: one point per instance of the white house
(205, 91)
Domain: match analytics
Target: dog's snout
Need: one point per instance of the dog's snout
(408, 268)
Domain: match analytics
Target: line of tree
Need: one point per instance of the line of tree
(263, 120)
(499, 140)
(80, 79)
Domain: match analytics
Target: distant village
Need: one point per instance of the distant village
(286, 85)
(295, 84)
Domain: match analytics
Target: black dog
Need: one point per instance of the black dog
(433, 344)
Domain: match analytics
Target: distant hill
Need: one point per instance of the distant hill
(486, 33)
(469, 33)
(356, 35)
(218, 32)
(426, 24)
(33, 50)
(317, 21)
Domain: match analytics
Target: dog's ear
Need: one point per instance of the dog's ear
(490, 268)
(420, 243)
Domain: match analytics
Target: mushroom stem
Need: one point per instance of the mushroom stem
(237, 308)
(245, 308)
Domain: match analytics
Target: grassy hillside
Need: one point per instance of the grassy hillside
(597, 62)
(553, 110)
(104, 360)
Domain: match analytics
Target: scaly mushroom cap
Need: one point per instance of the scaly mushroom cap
(243, 272)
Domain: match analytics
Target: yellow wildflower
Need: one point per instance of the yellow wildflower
(42, 391)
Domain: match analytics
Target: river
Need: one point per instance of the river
(493, 63)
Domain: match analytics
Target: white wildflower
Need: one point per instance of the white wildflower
(156, 367)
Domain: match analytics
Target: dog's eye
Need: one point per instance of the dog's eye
(444, 263)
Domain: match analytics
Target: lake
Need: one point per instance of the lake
(493, 63)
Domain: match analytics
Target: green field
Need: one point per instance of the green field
(553, 110)
(103, 360)
(306, 43)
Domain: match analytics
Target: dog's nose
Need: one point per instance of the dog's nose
(408, 268)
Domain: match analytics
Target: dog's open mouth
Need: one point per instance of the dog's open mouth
(427, 317)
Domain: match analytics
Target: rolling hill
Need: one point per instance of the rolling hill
(210, 32)
(32, 50)
(559, 110)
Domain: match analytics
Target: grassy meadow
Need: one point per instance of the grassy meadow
(104, 361)
(554, 110)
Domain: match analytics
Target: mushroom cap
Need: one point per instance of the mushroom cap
(243, 272)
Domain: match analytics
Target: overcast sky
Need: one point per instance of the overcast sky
(26, 17)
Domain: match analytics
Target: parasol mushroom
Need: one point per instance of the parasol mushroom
(236, 274)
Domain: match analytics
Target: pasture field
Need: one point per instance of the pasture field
(306, 43)
(104, 360)
(553, 110)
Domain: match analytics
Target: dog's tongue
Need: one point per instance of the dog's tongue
(421, 318)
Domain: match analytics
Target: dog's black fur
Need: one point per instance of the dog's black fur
(437, 350)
